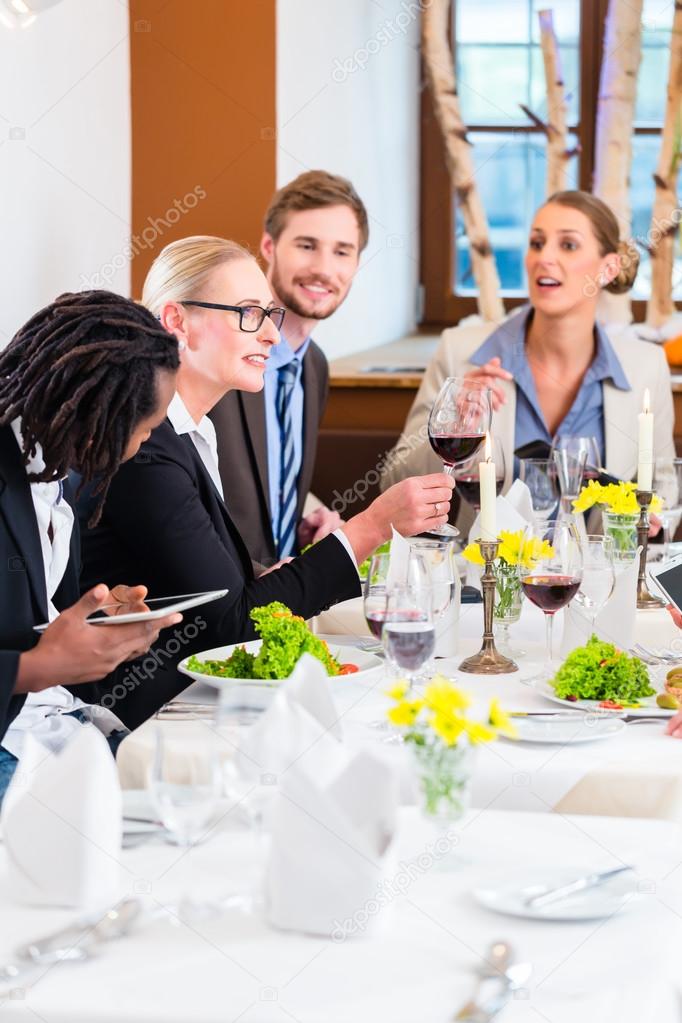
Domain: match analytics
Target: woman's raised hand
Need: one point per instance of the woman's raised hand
(490, 374)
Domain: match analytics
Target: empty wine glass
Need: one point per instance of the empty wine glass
(540, 476)
(467, 477)
(459, 420)
(555, 579)
(445, 586)
(185, 779)
(409, 635)
(599, 574)
(668, 486)
(414, 573)
(576, 447)
(570, 470)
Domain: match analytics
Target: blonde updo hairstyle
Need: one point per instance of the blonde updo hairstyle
(605, 228)
(183, 267)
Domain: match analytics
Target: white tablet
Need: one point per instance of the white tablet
(158, 607)
(668, 577)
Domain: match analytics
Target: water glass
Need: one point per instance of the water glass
(599, 574)
(409, 635)
(540, 476)
(668, 486)
(184, 780)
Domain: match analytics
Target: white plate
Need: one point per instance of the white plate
(509, 897)
(567, 729)
(344, 654)
(647, 703)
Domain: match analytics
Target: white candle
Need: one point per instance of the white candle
(645, 451)
(486, 475)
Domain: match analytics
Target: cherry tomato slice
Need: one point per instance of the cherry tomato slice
(348, 669)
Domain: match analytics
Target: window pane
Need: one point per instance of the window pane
(499, 61)
(645, 154)
(510, 173)
(652, 80)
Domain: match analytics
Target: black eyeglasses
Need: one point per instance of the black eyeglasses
(251, 317)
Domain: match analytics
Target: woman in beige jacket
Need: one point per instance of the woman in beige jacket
(551, 367)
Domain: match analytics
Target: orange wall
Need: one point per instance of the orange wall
(203, 118)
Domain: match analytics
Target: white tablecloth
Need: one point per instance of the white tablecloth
(638, 773)
(233, 967)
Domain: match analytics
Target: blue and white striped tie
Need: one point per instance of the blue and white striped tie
(288, 490)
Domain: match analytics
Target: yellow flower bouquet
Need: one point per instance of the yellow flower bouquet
(517, 552)
(620, 511)
(436, 725)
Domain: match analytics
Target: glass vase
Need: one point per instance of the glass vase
(622, 528)
(444, 780)
(507, 608)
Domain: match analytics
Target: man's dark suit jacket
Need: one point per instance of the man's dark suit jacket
(165, 525)
(239, 420)
(23, 595)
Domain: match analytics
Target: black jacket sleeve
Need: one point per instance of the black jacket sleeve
(165, 526)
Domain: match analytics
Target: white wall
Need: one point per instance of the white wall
(348, 102)
(64, 155)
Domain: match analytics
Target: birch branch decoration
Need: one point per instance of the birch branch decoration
(665, 219)
(557, 135)
(615, 115)
(440, 71)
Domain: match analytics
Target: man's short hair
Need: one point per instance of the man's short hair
(310, 191)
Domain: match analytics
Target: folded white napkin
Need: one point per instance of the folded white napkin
(331, 844)
(397, 560)
(513, 511)
(61, 823)
(615, 623)
(302, 715)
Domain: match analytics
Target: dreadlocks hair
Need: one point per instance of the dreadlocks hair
(82, 375)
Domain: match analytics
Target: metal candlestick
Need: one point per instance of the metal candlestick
(645, 599)
(488, 661)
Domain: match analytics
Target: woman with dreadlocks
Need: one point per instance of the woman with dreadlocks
(212, 295)
(82, 385)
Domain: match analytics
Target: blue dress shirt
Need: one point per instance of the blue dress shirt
(280, 355)
(585, 418)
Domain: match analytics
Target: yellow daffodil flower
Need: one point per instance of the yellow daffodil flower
(405, 713)
(442, 697)
(448, 727)
(478, 732)
(500, 720)
(619, 498)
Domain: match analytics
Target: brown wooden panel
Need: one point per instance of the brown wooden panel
(368, 408)
(203, 121)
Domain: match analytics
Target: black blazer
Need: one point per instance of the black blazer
(164, 524)
(239, 420)
(23, 595)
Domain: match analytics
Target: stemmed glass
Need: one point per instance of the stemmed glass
(555, 579)
(540, 476)
(467, 475)
(444, 581)
(409, 635)
(459, 420)
(599, 575)
(570, 469)
(576, 447)
(669, 488)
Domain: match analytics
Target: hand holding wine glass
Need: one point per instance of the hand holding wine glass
(459, 420)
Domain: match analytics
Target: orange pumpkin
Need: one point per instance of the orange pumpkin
(673, 350)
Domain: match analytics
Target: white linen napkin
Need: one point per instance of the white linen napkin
(331, 845)
(397, 560)
(615, 623)
(62, 822)
(301, 716)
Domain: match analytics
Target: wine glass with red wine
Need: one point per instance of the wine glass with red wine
(459, 420)
(554, 580)
(468, 480)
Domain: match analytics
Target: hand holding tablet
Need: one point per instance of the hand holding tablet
(148, 610)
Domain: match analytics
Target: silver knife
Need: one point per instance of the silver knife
(579, 885)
